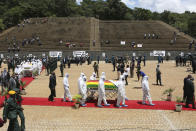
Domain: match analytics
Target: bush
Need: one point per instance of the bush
(168, 91)
(77, 98)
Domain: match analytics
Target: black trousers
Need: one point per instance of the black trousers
(52, 94)
(159, 79)
(62, 73)
(126, 79)
(190, 100)
(193, 69)
(97, 72)
(114, 67)
(131, 73)
(184, 96)
(138, 76)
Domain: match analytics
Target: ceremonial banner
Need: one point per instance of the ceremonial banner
(122, 42)
(158, 53)
(79, 53)
(93, 84)
(103, 54)
(134, 54)
(139, 45)
(55, 53)
(151, 54)
(182, 54)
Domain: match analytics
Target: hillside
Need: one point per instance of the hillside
(80, 32)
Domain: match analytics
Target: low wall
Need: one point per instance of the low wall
(109, 54)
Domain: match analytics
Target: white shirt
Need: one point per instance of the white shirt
(126, 73)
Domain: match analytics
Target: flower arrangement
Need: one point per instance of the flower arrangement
(22, 84)
(168, 92)
(77, 99)
(178, 100)
(178, 106)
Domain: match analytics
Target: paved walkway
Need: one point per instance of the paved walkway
(46, 118)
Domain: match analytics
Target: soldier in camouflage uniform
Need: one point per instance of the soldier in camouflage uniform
(10, 112)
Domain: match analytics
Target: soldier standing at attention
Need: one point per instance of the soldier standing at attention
(47, 67)
(96, 69)
(132, 66)
(114, 64)
(98, 58)
(1, 62)
(61, 69)
(20, 110)
(144, 60)
(10, 112)
(52, 84)
(138, 71)
(69, 62)
(158, 75)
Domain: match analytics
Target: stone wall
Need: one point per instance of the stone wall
(109, 54)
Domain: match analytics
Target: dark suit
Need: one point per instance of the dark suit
(190, 89)
(194, 65)
(61, 69)
(185, 89)
(52, 84)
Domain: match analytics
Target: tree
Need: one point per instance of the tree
(64, 8)
(142, 14)
(2, 26)
(87, 8)
(13, 16)
(192, 25)
(165, 16)
(115, 10)
(156, 16)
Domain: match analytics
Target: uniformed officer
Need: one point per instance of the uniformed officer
(132, 66)
(47, 67)
(10, 112)
(52, 84)
(158, 75)
(138, 71)
(1, 62)
(20, 112)
(61, 69)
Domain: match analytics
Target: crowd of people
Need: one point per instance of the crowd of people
(151, 36)
(121, 65)
(124, 69)
(13, 86)
(12, 105)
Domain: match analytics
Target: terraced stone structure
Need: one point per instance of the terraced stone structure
(94, 35)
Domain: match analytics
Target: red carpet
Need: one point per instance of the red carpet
(27, 80)
(132, 104)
